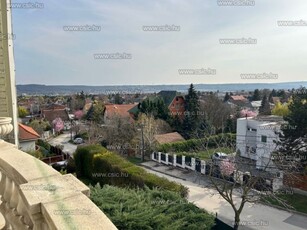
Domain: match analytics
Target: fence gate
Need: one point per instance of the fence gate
(163, 157)
(198, 165)
(179, 160)
(170, 159)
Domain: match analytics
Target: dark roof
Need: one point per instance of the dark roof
(167, 96)
(134, 110)
(50, 115)
(55, 106)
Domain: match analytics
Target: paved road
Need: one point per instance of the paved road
(63, 140)
(256, 216)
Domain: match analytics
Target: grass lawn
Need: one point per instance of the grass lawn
(299, 202)
(206, 155)
(134, 160)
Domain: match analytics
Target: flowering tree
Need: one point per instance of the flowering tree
(58, 124)
(227, 167)
(247, 113)
(78, 114)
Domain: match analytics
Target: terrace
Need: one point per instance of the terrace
(35, 196)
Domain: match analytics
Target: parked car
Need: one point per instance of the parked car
(219, 156)
(60, 165)
(78, 140)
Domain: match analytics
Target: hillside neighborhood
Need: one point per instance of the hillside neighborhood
(153, 115)
(234, 137)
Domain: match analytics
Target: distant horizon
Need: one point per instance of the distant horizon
(39, 89)
(251, 83)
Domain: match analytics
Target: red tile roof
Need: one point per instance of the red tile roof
(27, 133)
(50, 115)
(238, 98)
(168, 138)
(120, 110)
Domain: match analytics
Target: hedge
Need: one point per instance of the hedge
(221, 140)
(101, 166)
(148, 209)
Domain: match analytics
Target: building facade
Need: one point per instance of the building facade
(8, 98)
(256, 139)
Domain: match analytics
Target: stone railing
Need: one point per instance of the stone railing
(35, 196)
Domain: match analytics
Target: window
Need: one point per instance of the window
(251, 129)
(264, 138)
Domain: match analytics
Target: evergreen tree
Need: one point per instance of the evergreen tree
(293, 139)
(95, 113)
(265, 106)
(118, 99)
(256, 95)
(191, 120)
(227, 97)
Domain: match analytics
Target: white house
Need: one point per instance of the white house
(255, 139)
(27, 138)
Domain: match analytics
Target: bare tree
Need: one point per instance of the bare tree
(119, 133)
(215, 111)
(152, 127)
(238, 181)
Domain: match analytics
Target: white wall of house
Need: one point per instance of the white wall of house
(27, 146)
(255, 140)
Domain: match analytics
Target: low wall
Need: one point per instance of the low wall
(296, 181)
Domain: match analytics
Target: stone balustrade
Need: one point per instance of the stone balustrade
(35, 196)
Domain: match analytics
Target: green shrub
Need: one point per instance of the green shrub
(83, 159)
(71, 166)
(221, 140)
(44, 144)
(131, 209)
(36, 154)
(96, 163)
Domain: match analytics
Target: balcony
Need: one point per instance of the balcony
(35, 196)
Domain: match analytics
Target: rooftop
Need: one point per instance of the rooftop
(168, 138)
(27, 133)
(120, 110)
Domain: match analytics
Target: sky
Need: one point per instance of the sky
(46, 53)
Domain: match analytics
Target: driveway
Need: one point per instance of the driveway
(254, 216)
(63, 140)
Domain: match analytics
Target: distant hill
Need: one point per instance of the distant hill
(36, 89)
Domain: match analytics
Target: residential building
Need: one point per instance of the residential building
(27, 138)
(174, 102)
(168, 138)
(123, 111)
(256, 138)
(54, 111)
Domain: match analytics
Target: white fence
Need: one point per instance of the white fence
(180, 161)
(195, 164)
